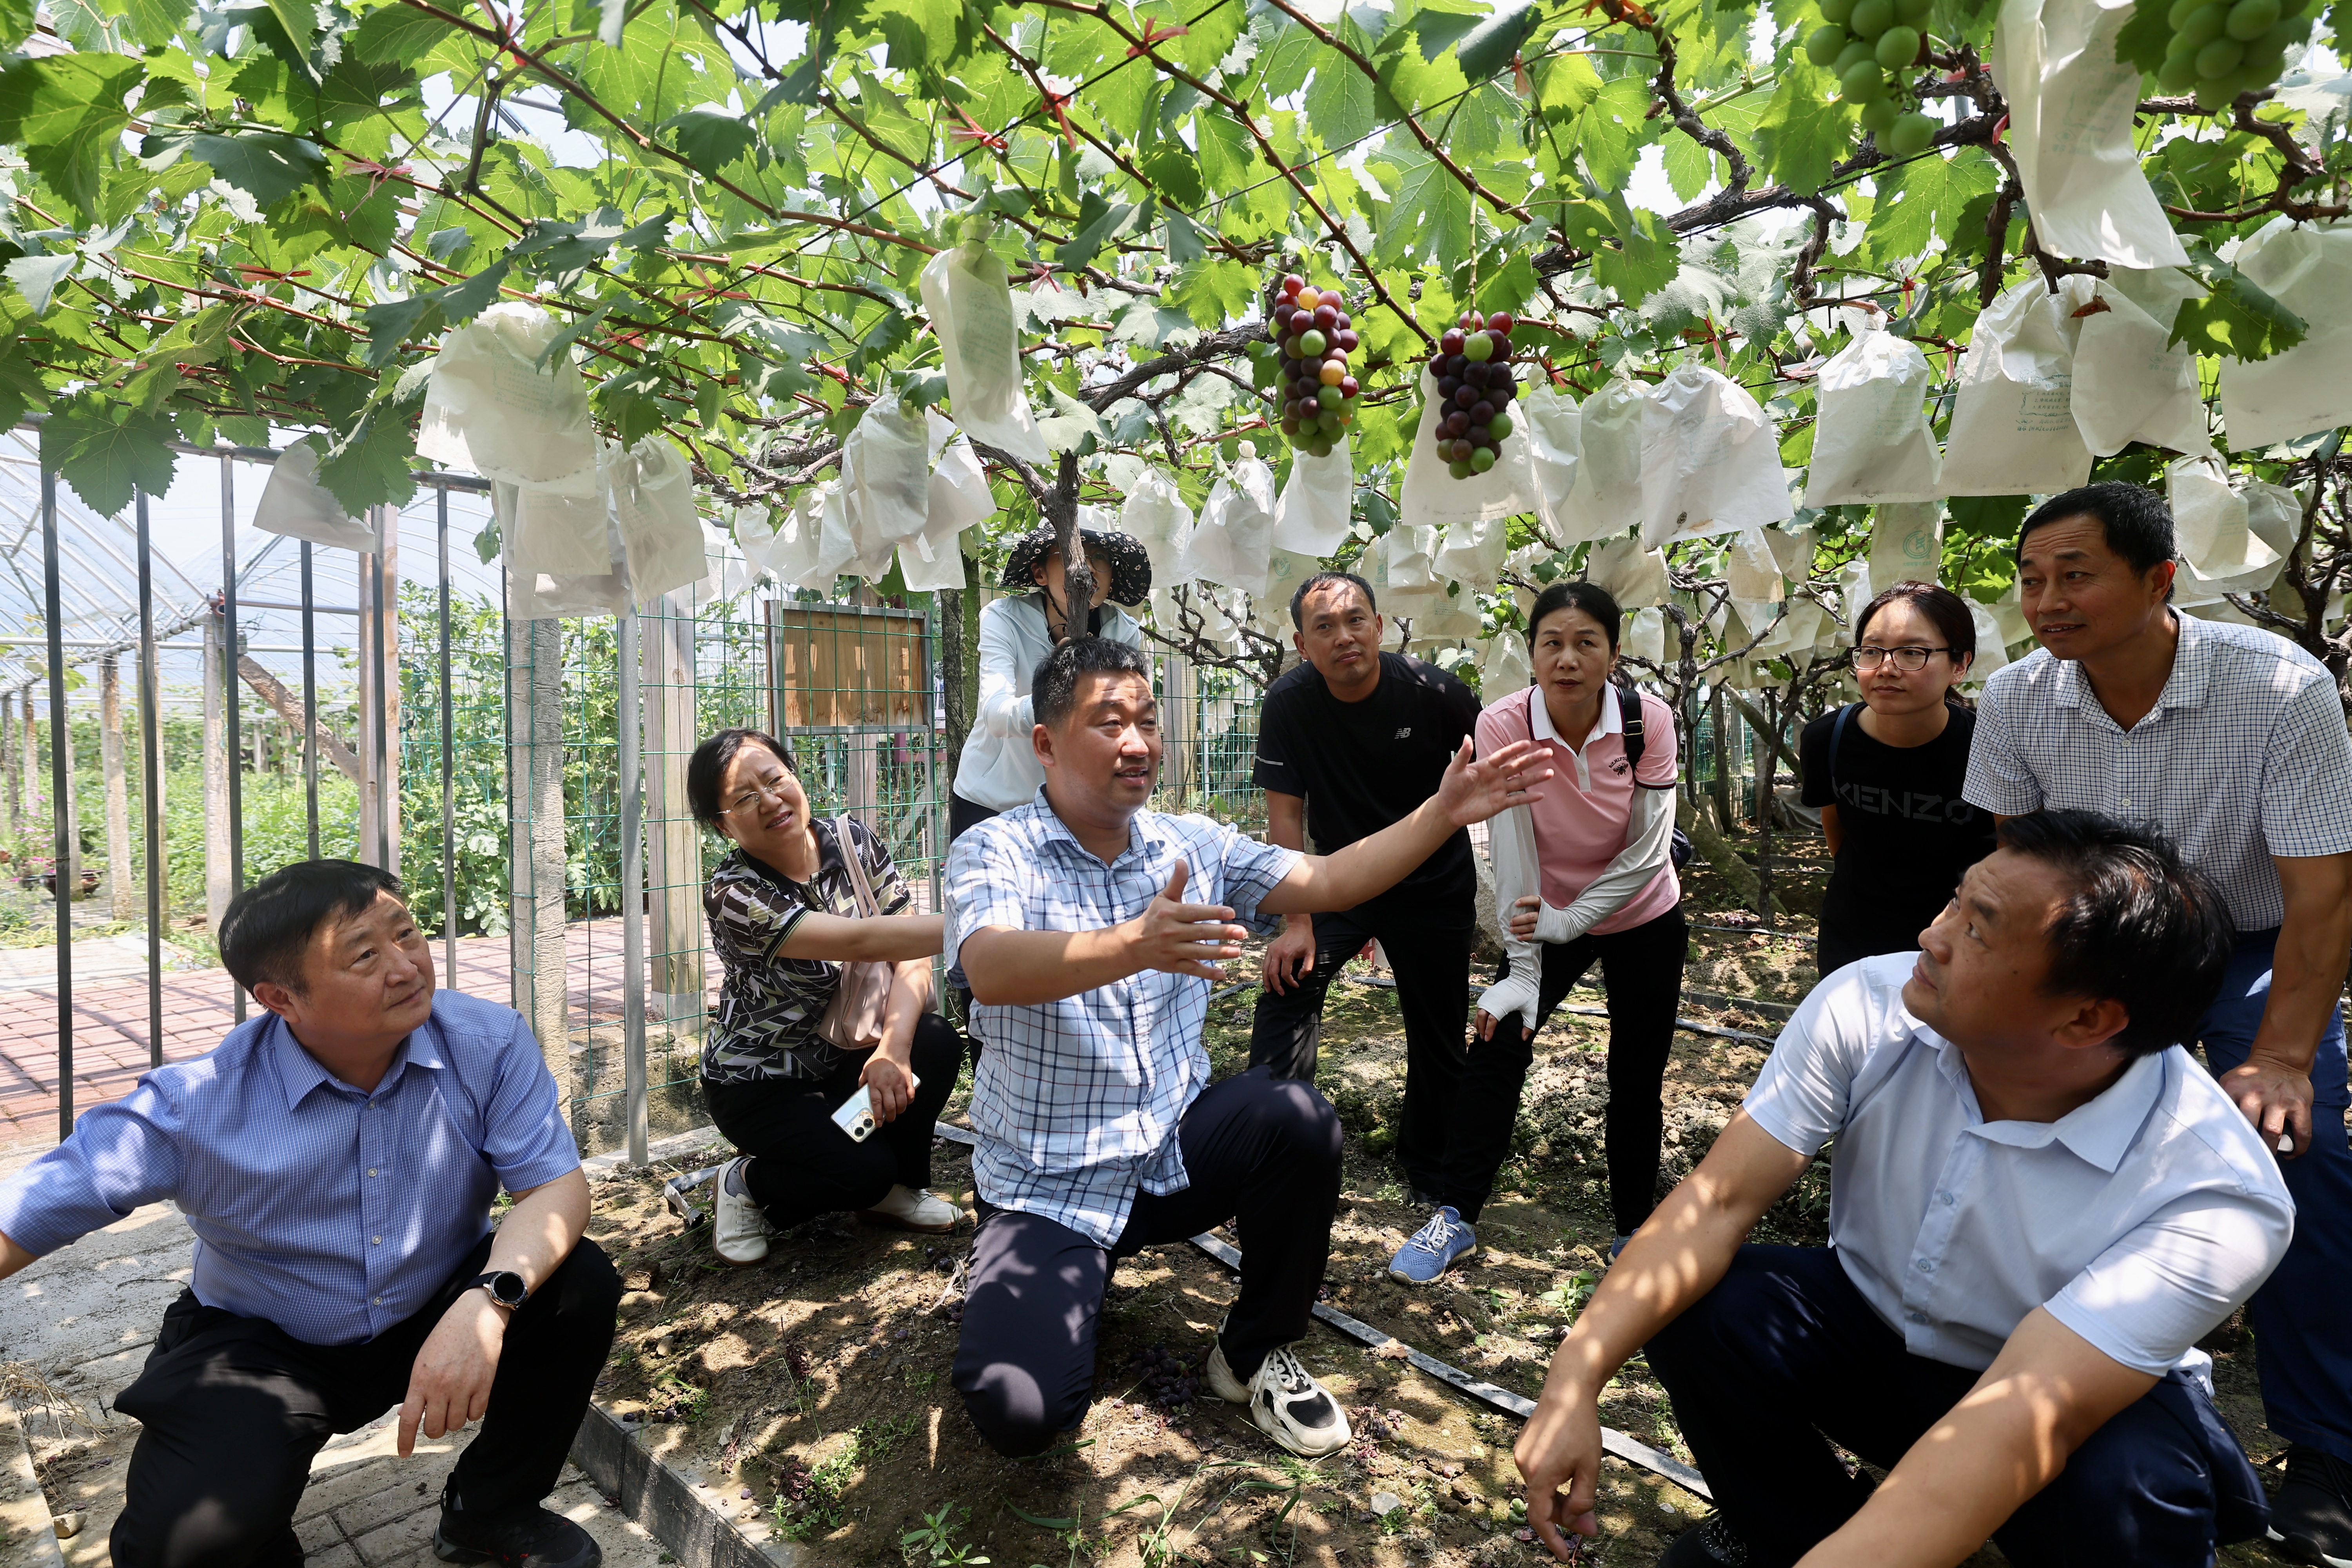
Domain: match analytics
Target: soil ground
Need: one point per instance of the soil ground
(812, 1388)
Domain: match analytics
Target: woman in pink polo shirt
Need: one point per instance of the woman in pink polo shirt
(1586, 873)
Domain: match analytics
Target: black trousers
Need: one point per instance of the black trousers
(1644, 969)
(233, 1409)
(1784, 1350)
(803, 1165)
(963, 814)
(1430, 952)
(1261, 1152)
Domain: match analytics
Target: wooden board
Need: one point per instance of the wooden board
(839, 668)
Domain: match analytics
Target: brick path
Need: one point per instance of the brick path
(111, 1034)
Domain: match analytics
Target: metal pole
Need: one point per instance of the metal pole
(62, 823)
(310, 703)
(151, 777)
(632, 898)
(382, 673)
(230, 653)
(448, 763)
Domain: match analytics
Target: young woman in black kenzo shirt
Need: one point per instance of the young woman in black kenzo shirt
(1887, 772)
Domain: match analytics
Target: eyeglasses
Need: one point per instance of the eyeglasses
(761, 795)
(1909, 660)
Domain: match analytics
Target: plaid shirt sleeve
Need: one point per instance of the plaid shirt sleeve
(987, 886)
(2306, 794)
(2000, 779)
(1251, 871)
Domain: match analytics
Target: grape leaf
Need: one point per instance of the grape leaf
(16, 23)
(265, 166)
(1488, 47)
(1644, 260)
(1340, 102)
(106, 451)
(2141, 40)
(66, 111)
(369, 466)
(710, 138)
(394, 33)
(2235, 318)
(1802, 133)
(38, 277)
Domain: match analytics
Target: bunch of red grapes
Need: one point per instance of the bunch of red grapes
(1318, 393)
(1475, 389)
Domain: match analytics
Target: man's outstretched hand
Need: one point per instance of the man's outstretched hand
(1476, 788)
(1181, 938)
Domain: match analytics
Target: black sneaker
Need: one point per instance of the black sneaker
(1710, 1543)
(2310, 1517)
(533, 1539)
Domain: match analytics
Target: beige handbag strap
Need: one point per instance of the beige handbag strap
(868, 907)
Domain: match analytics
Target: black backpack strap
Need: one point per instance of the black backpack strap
(1837, 734)
(1629, 720)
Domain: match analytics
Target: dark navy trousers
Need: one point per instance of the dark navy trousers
(2303, 1338)
(1785, 1355)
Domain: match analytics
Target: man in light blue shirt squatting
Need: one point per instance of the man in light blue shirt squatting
(2231, 739)
(1098, 1132)
(336, 1157)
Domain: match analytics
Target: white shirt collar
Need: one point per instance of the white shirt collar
(1540, 724)
(2099, 1130)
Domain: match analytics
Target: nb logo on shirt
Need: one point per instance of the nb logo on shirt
(1405, 733)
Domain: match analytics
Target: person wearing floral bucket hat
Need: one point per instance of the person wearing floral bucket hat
(998, 770)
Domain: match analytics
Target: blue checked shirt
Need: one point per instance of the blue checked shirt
(2244, 757)
(334, 1214)
(1076, 1102)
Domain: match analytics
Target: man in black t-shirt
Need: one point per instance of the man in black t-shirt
(1348, 742)
(1901, 833)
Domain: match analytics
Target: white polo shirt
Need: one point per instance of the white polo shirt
(2140, 1220)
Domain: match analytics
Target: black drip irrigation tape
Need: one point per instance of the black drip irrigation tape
(1631, 1450)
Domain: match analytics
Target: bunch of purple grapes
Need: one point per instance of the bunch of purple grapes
(1318, 394)
(1475, 389)
(1170, 1380)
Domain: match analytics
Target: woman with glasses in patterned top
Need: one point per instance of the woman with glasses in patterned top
(1886, 773)
(787, 916)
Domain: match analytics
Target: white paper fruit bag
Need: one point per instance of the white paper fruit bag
(488, 407)
(1233, 538)
(1645, 636)
(1632, 576)
(2221, 552)
(1155, 515)
(535, 596)
(886, 479)
(1710, 460)
(1431, 495)
(1503, 668)
(557, 530)
(958, 497)
(1555, 454)
(295, 504)
(2130, 385)
(1311, 516)
(2308, 269)
(1473, 552)
(969, 301)
(2013, 429)
(652, 504)
(1871, 441)
(2070, 130)
(1906, 543)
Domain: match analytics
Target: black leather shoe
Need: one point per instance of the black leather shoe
(1709, 1543)
(533, 1539)
(2311, 1518)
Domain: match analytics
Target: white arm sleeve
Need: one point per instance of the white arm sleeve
(1649, 840)
(1511, 845)
(1003, 711)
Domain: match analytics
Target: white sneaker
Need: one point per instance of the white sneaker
(739, 1230)
(915, 1208)
(1286, 1402)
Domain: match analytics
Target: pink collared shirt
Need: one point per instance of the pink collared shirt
(1579, 822)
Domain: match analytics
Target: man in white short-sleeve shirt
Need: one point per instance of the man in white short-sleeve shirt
(2039, 1202)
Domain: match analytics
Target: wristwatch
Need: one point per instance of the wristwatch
(505, 1286)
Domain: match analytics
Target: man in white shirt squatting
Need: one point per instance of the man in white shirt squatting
(1098, 1132)
(2039, 1202)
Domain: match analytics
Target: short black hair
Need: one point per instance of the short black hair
(1591, 598)
(1324, 580)
(707, 769)
(268, 927)
(2143, 926)
(1054, 688)
(1945, 609)
(2137, 522)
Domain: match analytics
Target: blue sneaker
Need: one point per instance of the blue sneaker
(1436, 1247)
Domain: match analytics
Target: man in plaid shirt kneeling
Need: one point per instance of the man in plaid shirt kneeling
(1100, 1133)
